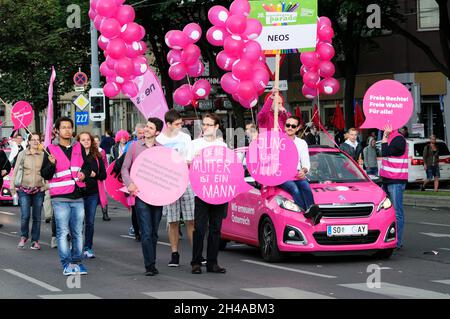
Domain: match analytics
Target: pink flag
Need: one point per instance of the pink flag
(150, 100)
(49, 123)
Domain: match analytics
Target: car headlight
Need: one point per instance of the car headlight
(287, 204)
(385, 204)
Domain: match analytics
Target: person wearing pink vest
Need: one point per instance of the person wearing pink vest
(66, 168)
(394, 173)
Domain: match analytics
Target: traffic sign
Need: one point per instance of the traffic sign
(81, 118)
(80, 79)
(81, 102)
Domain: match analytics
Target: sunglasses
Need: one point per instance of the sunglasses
(291, 125)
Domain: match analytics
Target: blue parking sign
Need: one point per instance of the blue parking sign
(81, 118)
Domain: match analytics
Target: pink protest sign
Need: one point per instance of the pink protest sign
(387, 102)
(217, 176)
(22, 114)
(113, 187)
(272, 158)
(161, 176)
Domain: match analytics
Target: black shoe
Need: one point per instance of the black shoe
(150, 271)
(203, 261)
(175, 260)
(196, 269)
(312, 211)
(48, 220)
(316, 219)
(155, 271)
(106, 218)
(216, 269)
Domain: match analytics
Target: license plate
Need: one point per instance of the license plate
(347, 230)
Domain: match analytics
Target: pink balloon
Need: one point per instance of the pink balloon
(111, 89)
(248, 104)
(124, 67)
(116, 48)
(193, 31)
(246, 90)
(218, 15)
(201, 89)
(131, 32)
(253, 29)
(110, 28)
(326, 69)
(243, 70)
(308, 92)
(142, 31)
(103, 42)
(260, 79)
(183, 95)
(196, 70)
(125, 14)
(176, 39)
(311, 79)
(119, 2)
(140, 66)
(262, 58)
(228, 83)
(329, 86)
(259, 65)
(240, 7)
(93, 5)
(105, 70)
(107, 8)
(325, 33)
(233, 47)
(92, 14)
(142, 47)
(177, 71)
(110, 62)
(190, 54)
(324, 21)
(309, 59)
(216, 35)
(325, 51)
(224, 61)
(98, 21)
(130, 89)
(236, 24)
(134, 50)
(173, 56)
(252, 51)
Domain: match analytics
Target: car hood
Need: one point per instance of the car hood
(339, 193)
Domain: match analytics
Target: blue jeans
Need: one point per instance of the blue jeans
(372, 171)
(149, 217)
(395, 192)
(69, 217)
(90, 208)
(300, 191)
(25, 202)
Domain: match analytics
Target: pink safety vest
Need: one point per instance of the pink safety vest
(63, 182)
(395, 167)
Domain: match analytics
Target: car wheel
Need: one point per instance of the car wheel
(268, 242)
(223, 244)
(384, 253)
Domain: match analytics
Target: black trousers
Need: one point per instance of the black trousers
(207, 216)
(134, 221)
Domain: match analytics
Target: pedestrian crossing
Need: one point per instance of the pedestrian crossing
(398, 291)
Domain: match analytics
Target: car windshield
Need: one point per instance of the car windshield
(442, 147)
(333, 167)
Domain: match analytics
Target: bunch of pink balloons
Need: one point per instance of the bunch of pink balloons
(317, 69)
(242, 56)
(190, 94)
(121, 40)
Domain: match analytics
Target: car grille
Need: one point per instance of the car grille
(348, 211)
(322, 239)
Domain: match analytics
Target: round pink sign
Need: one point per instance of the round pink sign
(272, 158)
(217, 176)
(22, 114)
(387, 102)
(161, 176)
(113, 186)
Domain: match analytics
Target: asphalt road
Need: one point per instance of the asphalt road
(420, 270)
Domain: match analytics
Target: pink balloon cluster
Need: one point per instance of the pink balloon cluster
(317, 69)
(190, 94)
(121, 41)
(242, 56)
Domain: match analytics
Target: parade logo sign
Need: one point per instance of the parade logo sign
(22, 114)
(387, 102)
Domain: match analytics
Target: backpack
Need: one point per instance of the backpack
(116, 171)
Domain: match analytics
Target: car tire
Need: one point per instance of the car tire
(268, 243)
(384, 253)
(223, 244)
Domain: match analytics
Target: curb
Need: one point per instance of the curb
(427, 201)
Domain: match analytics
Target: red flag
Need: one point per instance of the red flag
(298, 113)
(316, 118)
(338, 118)
(49, 123)
(359, 116)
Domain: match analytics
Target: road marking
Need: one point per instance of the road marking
(159, 242)
(433, 224)
(70, 296)
(398, 291)
(6, 213)
(126, 236)
(445, 282)
(448, 249)
(436, 235)
(288, 269)
(17, 236)
(187, 294)
(32, 280)
(286, 293)
(163, 243)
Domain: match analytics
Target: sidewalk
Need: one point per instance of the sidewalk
(427, 199)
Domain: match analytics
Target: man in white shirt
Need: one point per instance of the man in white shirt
(299, 188)
(172, 137)
(352, 147)
(17, 145)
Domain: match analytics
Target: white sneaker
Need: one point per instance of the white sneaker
(53, 243)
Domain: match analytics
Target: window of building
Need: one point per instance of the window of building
(427, 15)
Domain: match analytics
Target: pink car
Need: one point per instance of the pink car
(357, 214)
(5, 193)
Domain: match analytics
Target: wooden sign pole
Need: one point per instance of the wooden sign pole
(276, 89)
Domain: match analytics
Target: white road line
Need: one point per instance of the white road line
(398, 291)
(159, 242)
(433, 224)
(437, 235)
(126, 236)
(286, 293)
(32, 280)
(288, 269)
(70, 296)
(445, 282)
(448, 249)
(17, 236)
(7, 213)
(187, 294)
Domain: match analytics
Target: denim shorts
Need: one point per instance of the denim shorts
(432, 172)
